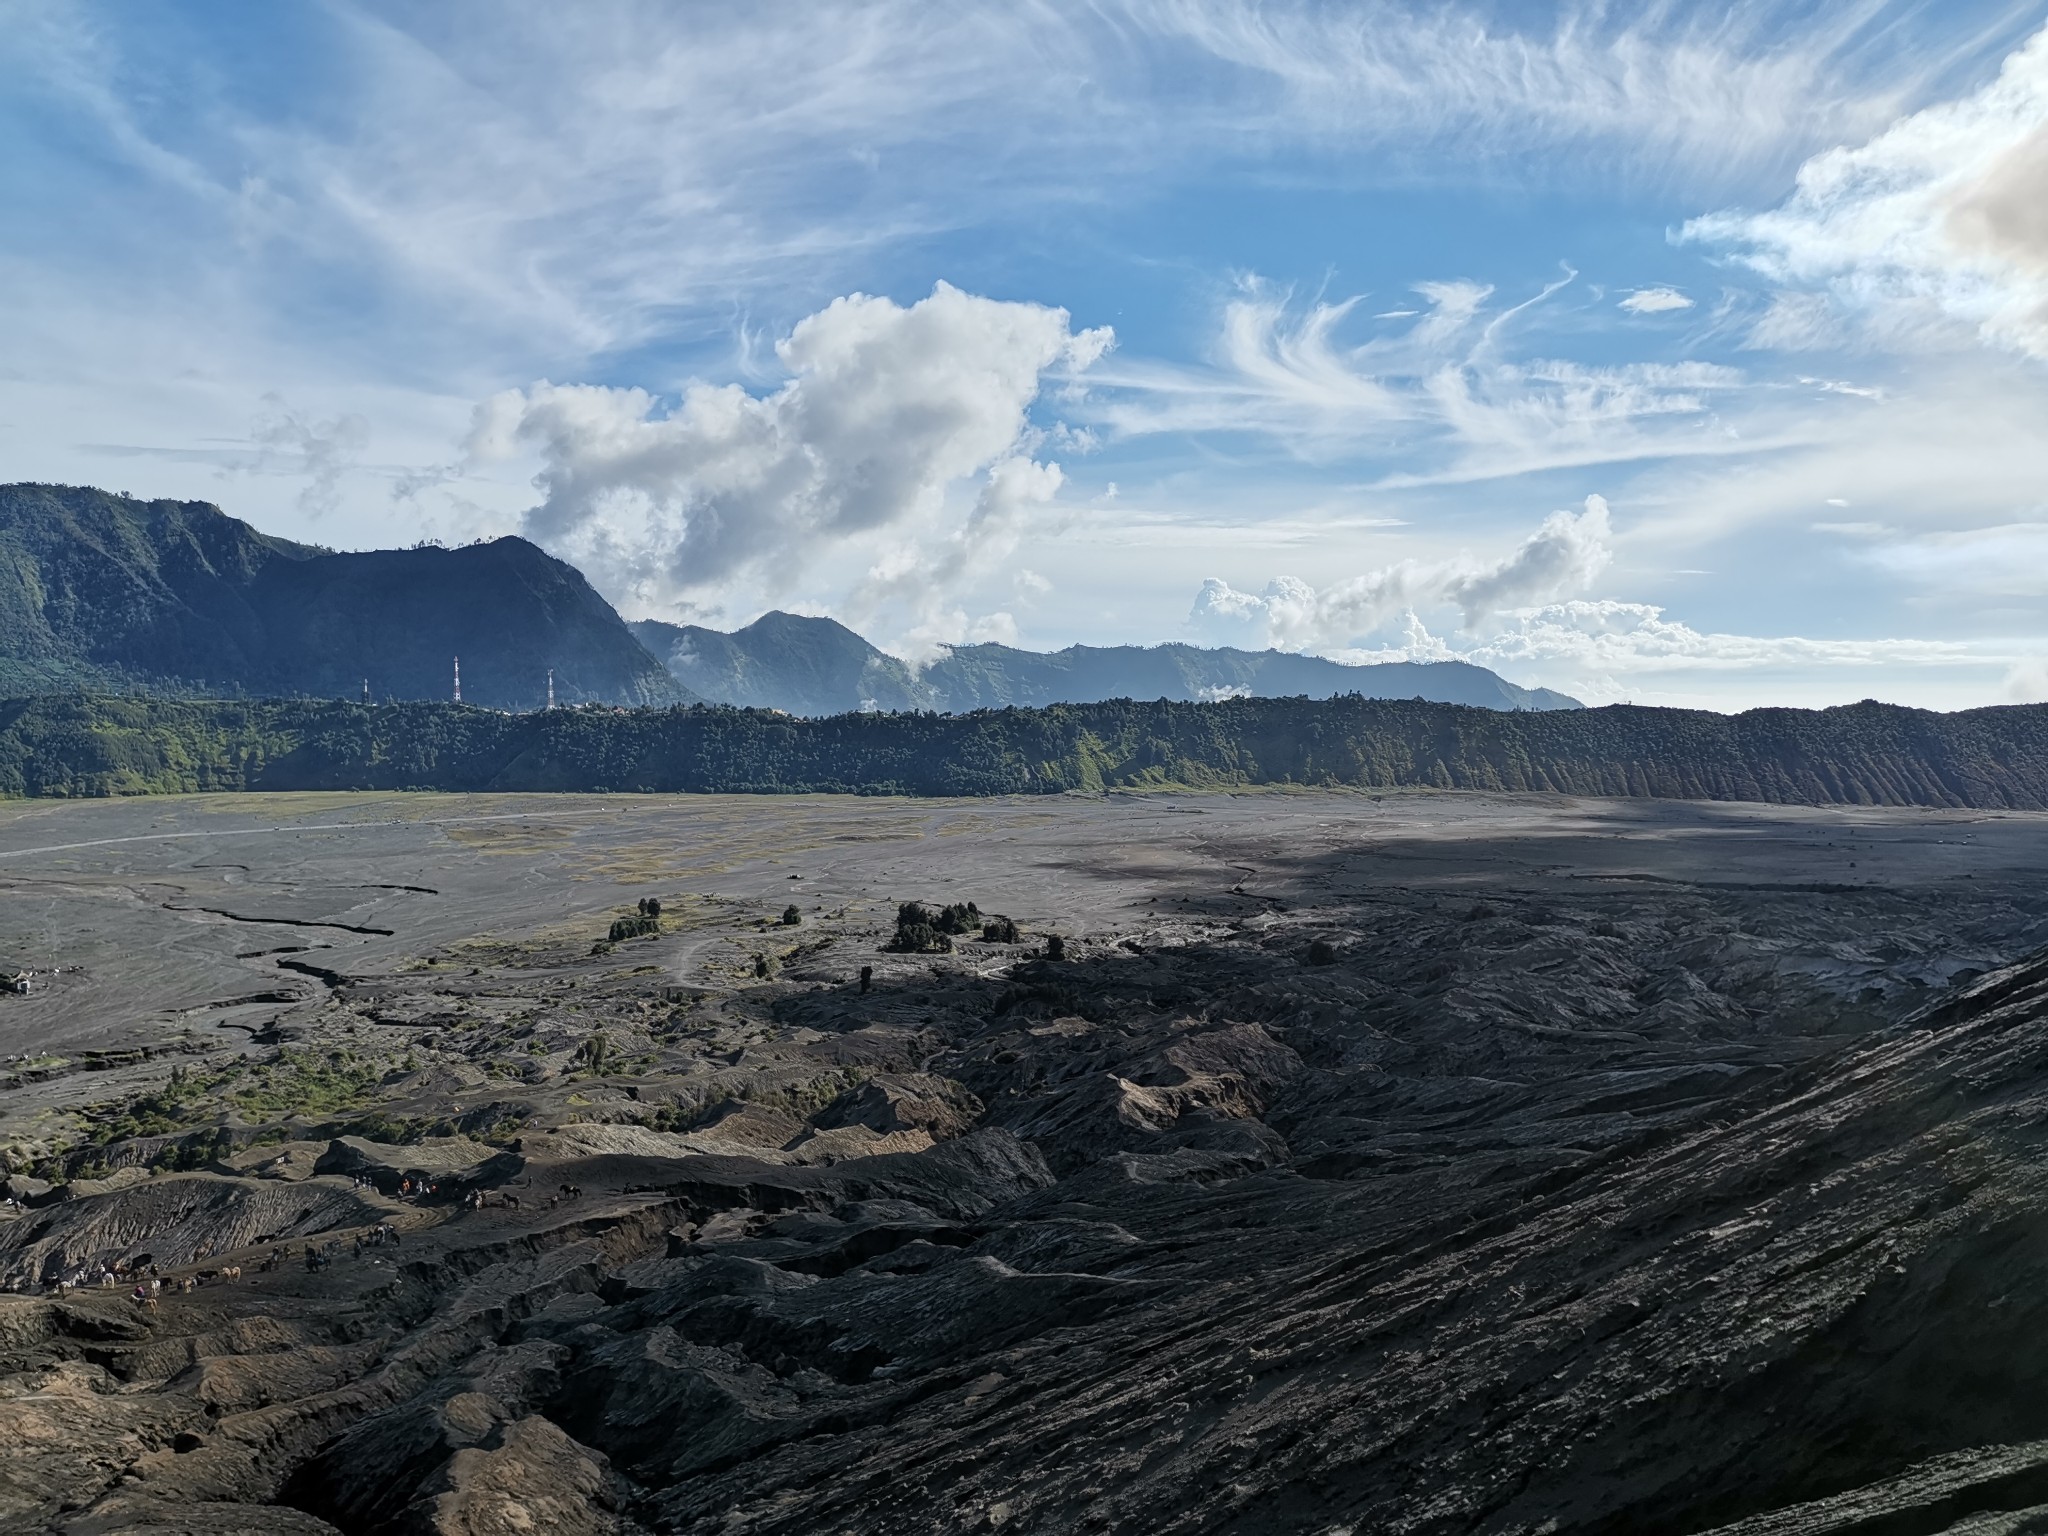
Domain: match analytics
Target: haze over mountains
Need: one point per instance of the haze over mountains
(812, 666)
(105, 592)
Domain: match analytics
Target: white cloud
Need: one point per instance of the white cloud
(940, 629)
(1563, 556)
(533, 185)
(1938, 218)
(419, 208)
(1606, 636)
(290, 442)
(1603, 649)
(1438, 396)
(1719, 92)
(2026, 681)
(1655, 301)
(886, 409)
(2009, 560)
(1843, 387)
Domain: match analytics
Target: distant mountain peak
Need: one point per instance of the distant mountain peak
(817, 666)
(103, 590)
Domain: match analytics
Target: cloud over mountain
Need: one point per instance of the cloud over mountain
(1560, 559)
(886, 408)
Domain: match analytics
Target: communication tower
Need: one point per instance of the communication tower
(458, 679)
(551, 687)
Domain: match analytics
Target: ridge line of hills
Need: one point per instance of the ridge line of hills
(1864, 754)
(815, 666)
(110, 594)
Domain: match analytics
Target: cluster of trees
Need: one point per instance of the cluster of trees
(646, 920)
(1859, 754)
(922, 931)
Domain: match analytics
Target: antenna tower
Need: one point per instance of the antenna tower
(551, 687)
(458, 679)
(366, 690)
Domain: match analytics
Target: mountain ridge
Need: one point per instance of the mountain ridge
(104, 592)
(1862, 754)
(818, 666)
(99, 590)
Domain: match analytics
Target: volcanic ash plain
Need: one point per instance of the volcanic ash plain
(1318, 1163)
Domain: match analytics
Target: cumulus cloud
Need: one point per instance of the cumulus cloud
(1608, 649)
(1562, 556)
(1606, 636)
(886, 410)
(1655, 301)
(940, 629)
(1943, 216)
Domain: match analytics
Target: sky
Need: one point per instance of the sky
(1689, 354)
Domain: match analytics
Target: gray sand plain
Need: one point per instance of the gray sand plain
(161, 917)
(160, 914)
(1418, 1162)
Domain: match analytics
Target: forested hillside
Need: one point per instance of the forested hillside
(1861, 754)
(109, 593)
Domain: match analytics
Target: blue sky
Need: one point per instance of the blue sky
(1678, 353)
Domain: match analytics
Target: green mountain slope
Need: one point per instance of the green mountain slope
(98, 589)
(1863, 754)
(102, 591)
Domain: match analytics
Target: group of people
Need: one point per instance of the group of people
(149, 1280)
(481, 1199)
(384, 1232)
